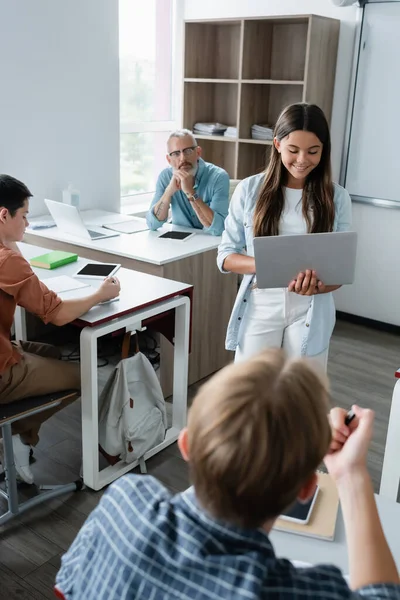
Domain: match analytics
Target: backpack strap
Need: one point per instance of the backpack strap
(126, 343)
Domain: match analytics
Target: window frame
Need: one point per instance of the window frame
(135, 202)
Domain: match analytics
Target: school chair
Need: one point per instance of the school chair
(10, 413)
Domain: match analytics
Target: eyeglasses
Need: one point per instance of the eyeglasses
(186, 152)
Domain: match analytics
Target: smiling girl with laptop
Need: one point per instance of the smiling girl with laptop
(294, 195)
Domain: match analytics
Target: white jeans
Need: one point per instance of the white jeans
(275, 318)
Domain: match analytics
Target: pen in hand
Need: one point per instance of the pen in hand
(349, 417)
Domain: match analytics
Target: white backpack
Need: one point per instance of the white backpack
(132, 414)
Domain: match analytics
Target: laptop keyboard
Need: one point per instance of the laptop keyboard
(95, 234)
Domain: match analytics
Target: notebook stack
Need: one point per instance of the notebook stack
(262, 132)
(209, 128)
(231, 132)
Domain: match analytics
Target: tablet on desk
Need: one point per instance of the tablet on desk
(280, 258)
(97, 270)
(300, 512)
(177, 235)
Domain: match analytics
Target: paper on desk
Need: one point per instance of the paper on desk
(41, 225)
(63, 283)
(133, 226)
(299, 564)
(77, 293)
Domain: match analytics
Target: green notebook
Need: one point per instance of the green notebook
(54, 259)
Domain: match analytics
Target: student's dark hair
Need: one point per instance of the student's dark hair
(13, 193)
(318, 188)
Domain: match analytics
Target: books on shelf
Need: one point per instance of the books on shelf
(231, 132)
(54, 259)
(262, 132)
(322, 522)
(209, 128)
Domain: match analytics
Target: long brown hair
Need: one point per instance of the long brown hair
(318, 188)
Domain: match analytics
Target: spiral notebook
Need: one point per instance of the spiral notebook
(322, 522)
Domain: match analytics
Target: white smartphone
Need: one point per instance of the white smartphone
(300, 512)
(97, 270)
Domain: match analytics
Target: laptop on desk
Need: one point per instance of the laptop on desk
(68, 219)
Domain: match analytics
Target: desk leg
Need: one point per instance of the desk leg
(391, 463)
(20, 324)
(89, 393)
(89, 400)
(181, 350)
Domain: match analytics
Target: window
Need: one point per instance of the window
(146, 106)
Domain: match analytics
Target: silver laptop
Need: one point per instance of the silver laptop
(280, 258)
(68, 219)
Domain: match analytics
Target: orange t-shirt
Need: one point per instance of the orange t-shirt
(20, 286)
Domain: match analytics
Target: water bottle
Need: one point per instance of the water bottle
(71, 196)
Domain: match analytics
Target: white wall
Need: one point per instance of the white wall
(376, 290)
(59, 98)
(373, 170)
(210, 9)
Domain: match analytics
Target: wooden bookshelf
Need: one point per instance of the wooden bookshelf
(245, 71)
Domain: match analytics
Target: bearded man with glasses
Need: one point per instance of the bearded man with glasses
(196, 191)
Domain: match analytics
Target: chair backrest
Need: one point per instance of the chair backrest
(232, 186)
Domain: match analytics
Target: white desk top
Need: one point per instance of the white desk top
(144, 245)
(314, 551)
(137, 289)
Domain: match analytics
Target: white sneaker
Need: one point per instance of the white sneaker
(21, 459)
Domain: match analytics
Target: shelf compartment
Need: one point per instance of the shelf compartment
(212, 50)
(217, 152)
(251, 141)
(252, 159)
(218, 138)
(210, 102)
(273, 81)
(263, 103)
(202, 80)
(275, 49)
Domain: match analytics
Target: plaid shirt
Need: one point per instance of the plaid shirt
(140, 542)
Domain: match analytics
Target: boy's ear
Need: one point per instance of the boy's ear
(183, 444)
(3, 214)
(308, 489)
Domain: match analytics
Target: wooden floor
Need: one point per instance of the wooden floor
(361, 367)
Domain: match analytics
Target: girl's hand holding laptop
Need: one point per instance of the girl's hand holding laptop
(306, 284)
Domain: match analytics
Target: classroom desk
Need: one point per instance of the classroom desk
(311, 550)
(192, 261)
(143, 297)
(391, 465)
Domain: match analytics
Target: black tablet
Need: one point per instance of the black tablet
(176, 235)
(97, 270)
(300, 512)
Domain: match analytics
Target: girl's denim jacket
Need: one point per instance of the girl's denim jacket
(238, 238)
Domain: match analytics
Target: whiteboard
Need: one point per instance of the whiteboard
(373, 166)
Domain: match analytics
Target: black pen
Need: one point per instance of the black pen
(349, 417)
